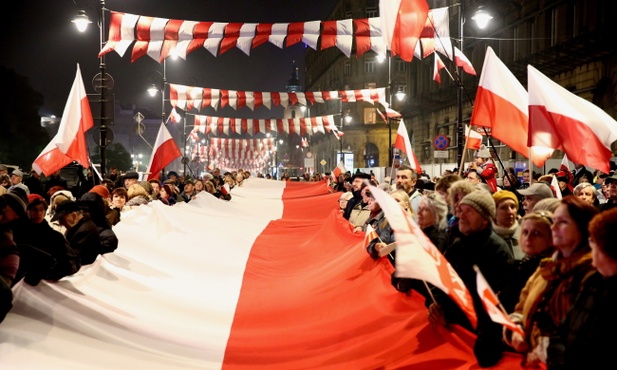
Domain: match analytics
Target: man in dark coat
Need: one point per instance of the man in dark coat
(478, 245)
(356, 185)
(81, 232)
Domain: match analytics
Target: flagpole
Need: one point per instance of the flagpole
(490, 142)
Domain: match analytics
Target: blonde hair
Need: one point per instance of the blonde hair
(404, 199)
(135, 190)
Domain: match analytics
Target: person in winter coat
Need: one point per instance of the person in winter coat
(81, 233)
(554, 286)
(586, 338)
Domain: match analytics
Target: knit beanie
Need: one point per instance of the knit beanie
(481, 201)
(16, 203)
(100, 190)
(503, 195)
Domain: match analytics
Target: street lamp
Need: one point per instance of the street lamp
(345, 118)
(482, 18)
(82, 21)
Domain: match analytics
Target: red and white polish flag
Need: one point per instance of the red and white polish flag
(501, 105)
(69, 144)
(437, 66)
(561, 120)
(403, 143)
(402, 23)
(473, 139)
(274, 279)
(490, 302)
(164, 152)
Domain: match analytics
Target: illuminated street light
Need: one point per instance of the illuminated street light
(482, 18)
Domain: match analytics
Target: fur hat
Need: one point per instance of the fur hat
(147, 186)
(483, 152)
(481, 201)
(131, 175)
(17, 204)
(503, 195)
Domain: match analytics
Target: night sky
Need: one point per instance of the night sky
(40, 42)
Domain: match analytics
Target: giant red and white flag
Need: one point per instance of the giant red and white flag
(402, 23)
(69, 144)
(490, 302)
(473, 139)
(501, 105)
(437, 66)
(561, 120)
(418, 258)
(276, 295)
(403, 143)
(164, 152)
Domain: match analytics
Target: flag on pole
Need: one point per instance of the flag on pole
(402, 23)
(164, 152)
(490, 302)
(565, 163)
(437, 66)
(369, 236)
(418, 258)
(340, 168)
(390, 113)
(472, 138)
(561, 120)
(403, 143)
(501, 105)
(555, 186)
(461, 61)
(69, 144)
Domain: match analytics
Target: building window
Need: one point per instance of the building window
(370, 116)
(371, 155)
(347, 68)
(372, 12)
(370, 65)
(400, 65)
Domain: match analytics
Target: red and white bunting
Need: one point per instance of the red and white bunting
(189, 97)
(247, 126)
(160, 37)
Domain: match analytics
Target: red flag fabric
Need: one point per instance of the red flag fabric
(402, 23)
(437, 66)
(164, 152)
(490, 302)
(501, 105)
(473, 139)
(403, 143)
(561, 120)
(418, 258)
(69, 144)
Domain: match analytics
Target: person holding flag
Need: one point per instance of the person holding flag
(478, 245)
(484, 166)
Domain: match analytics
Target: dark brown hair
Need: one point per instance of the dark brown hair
(603, 231)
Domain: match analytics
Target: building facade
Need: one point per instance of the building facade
(570, 41)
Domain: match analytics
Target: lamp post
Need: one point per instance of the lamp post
(482, 18)
(82, 21)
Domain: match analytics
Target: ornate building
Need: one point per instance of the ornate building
(568, 40)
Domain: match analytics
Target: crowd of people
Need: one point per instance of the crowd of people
(548, 257)
(49, 230)
(546, 252)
